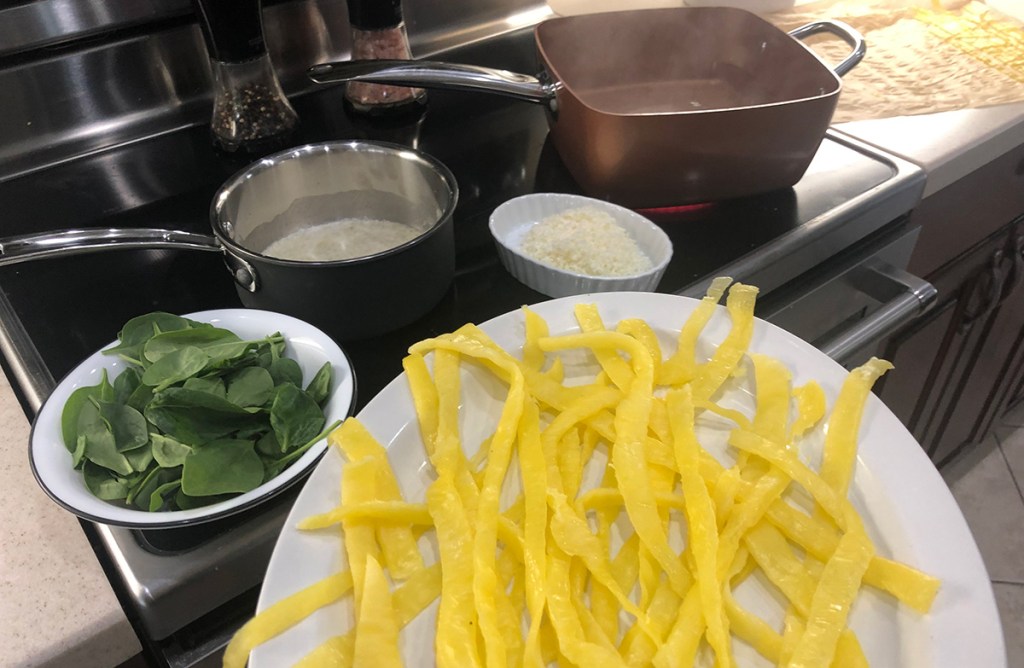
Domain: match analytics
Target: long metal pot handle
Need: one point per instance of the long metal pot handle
(916, 296)
(436, 74)
(73, 242)
(848, 34)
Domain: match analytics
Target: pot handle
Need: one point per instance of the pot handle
(436, 74)
(842, 30)
(73, 242)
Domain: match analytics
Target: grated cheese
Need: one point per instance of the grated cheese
(586, 241)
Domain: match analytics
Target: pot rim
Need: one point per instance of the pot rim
(270, 161)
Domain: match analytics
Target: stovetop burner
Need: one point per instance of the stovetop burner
(53, 314)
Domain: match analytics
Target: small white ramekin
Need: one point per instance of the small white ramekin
(511, 220)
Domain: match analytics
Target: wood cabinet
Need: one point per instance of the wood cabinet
(962, 365)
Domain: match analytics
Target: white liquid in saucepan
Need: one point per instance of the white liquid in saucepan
(341, 240)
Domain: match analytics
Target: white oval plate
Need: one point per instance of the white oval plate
(51, 461)
(907, 508)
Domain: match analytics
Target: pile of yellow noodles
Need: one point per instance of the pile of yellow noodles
(547, 579)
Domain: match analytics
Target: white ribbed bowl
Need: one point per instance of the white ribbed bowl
(511, 220)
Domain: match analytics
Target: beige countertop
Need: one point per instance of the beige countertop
(947, 145)
(56, 605)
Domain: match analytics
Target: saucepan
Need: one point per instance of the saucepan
(292, 192)
(657, 107)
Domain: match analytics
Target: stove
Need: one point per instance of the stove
(187, 590)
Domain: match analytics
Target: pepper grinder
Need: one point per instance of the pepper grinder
(378, 32)
(250, 111)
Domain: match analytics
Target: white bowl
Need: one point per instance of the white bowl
(51, 461)
(512, 220)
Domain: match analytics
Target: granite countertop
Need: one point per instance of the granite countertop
(56, 605)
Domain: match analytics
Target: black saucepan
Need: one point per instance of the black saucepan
(297, 189)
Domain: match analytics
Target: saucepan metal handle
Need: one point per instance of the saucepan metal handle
(436, 74)
(842, 30)
(73, 242)
(914, 297)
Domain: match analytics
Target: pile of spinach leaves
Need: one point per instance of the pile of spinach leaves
(198, 415)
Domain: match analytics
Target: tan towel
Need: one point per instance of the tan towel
(922, 57)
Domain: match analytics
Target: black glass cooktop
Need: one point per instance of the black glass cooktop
(496, 148)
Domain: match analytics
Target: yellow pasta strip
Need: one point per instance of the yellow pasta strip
(637, 648)
(358, 485)
(840, 450)
(643, 333)
(455, 643)
(741, 420)
(712, 375)
(376, 642)
(772, 380)
(849, 653)
(572, 640)
(409, 600)
(573, 537)
(618, 369)
(810, 408)
(283, 615)
(536, 328)
(772, 552)
(680, 647)
(628, 455)
(701, 523)
(390, 512)
(398, 545)
(535, 522)
(753, 630)
(681, 367)
(833, 597)
(907, 584)
(424, 398)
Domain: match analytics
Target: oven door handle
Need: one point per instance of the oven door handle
(915, 296)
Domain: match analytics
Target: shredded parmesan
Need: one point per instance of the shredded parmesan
(586, 241)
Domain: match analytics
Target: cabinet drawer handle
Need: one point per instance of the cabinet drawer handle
(915, 297)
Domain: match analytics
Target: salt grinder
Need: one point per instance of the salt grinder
(250, 111)
(378, 32)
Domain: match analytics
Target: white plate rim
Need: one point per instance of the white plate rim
(963, 627)
(46, 425)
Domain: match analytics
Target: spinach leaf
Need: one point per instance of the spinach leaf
(286, 370)
(269, 445)
(294, 416)
(137, 331)
(222, 467)
(205, 339)
(175, 367)
(140, 398)
(157, 499)
(273, 467)
(73, 408)
(126, 383)
(169, 452)
(140, 458)
(196, 417)
(186, 502)
(251, 386)
(211, 384)
(320, 387)
(104, 484)
(139, 494)
(127, 424)
(100, 444)
(78, 456)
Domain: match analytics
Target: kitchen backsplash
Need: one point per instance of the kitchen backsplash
(82, 76)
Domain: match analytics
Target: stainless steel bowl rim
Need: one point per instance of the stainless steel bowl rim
(270, 161)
